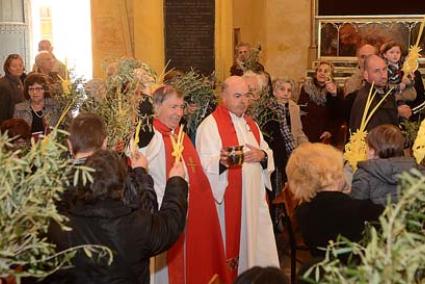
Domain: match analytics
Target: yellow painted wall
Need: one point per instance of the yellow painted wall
(282, 27)
(149, 32)
(111, 38)
(288, 35)
(223, 38)
(130, 28)
(249, 17)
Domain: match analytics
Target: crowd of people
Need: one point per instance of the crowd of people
(199, 209)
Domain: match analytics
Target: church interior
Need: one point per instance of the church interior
(304, 117)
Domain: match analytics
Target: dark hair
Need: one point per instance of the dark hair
(387, 141)
(8, 61)
(260, 275)
(36, 78)
(109, 177)
(376, 40)
(390, 44)
(87, 133)
(163, 92)
(240, 44)
(16, 127)
(172, 76)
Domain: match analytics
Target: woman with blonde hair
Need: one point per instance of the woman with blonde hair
(320, 100)
(315, 177)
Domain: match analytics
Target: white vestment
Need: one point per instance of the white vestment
(155, 154)
(257, 242)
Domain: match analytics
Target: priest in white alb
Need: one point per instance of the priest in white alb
(198, 255)
(239, 190)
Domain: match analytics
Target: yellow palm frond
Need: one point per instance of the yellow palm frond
(355, 150)
(419, 145)
(411, 63)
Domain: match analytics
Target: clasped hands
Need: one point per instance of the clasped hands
(254, 155)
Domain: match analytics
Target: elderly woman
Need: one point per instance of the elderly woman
(11, 87)
(319, 100)
(39, 110)
(283, 133)
(315, 177)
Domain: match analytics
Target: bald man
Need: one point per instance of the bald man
(375, 71)
(355, 82)
(239, 190)
(57, 66)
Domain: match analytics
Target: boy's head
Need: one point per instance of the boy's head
(385, 141)
(87, 134)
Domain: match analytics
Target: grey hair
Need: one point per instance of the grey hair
(279, 81)
(163, 92)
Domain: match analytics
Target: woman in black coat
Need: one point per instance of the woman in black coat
(11, 87)
(99, 216)
(315, 177)
(320, 100)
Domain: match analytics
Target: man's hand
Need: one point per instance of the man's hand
(119, 147)
(408, 79)
(404, 111)
(138, 160)
(177, 170)
(254, 154)
(224, 158)
(325, 135)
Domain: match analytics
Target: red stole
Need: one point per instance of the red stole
(204, 255)
(233, 193)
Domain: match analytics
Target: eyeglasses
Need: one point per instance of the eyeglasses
(35, 89)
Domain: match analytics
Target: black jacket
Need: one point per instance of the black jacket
(387, 112)
(11, 93)
(378, 179)
(330, 214)
(133, 234)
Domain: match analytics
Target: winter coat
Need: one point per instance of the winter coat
(377, 179)
(330, 214)
(51, 113)
(387, 112)
(11, 93)
(132, 233)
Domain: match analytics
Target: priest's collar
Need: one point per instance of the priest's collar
(235, 116)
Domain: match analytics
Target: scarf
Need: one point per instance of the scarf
(198, 254)
(233, 194)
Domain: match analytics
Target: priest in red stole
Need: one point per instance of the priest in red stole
(199, 253)
(239, 190)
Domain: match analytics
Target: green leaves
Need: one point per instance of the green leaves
(199, 94)
(30, 184)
